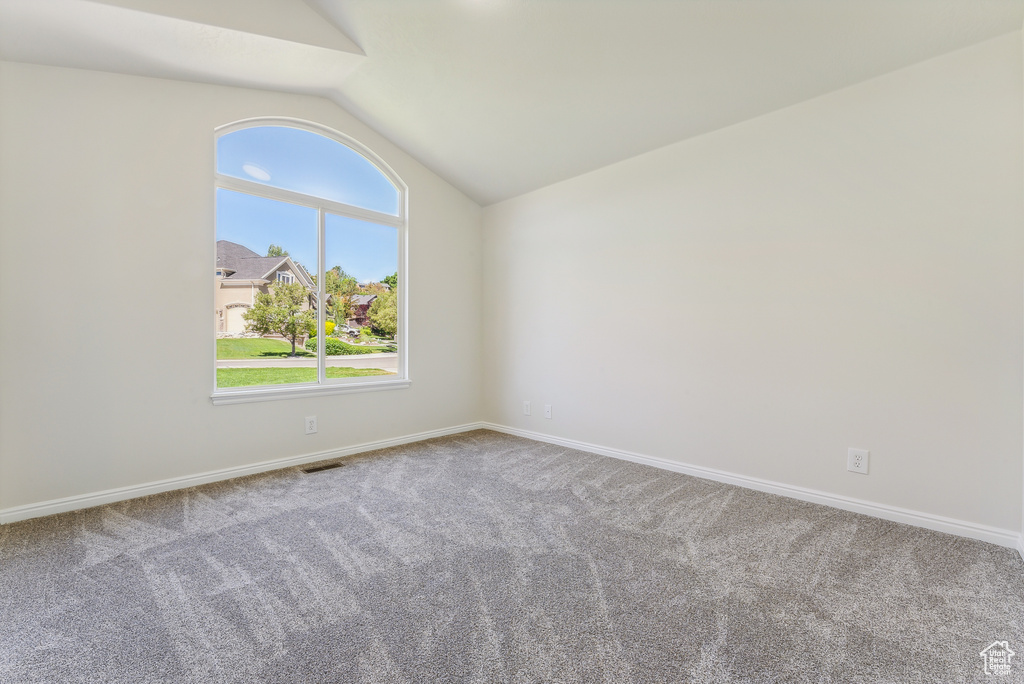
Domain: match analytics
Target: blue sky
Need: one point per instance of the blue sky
(367, 251)
(305, 162)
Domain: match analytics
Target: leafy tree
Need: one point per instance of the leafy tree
(383, 314)
(341, 286)
(339, 274)
(391, 281)
(342, 309)
(281, 313)
(373, 288)
(277, 250)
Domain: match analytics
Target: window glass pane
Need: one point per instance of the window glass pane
(362, 280)
(306, 162)
(264, 306)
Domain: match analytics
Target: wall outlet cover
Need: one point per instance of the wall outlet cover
(857, 460)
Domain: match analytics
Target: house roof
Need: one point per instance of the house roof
(363, 299)
(233, 250)
(248, 265)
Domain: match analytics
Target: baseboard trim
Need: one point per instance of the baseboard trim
(73, 503)
(994, 535)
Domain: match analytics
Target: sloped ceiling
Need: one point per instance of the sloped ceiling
(501, 97)
(275, 44)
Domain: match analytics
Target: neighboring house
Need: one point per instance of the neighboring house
(241, 275)
(361, 310)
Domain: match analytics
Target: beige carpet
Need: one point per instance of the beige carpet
(488, 558)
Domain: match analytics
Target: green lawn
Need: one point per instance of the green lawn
(247, 377)
(259, 348)
(256, 348)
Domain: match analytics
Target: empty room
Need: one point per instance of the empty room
(511, 341)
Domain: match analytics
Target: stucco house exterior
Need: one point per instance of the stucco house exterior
(242, 274)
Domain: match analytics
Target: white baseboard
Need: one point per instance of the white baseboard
(73, 503)
(1002, 537)
(994, 535)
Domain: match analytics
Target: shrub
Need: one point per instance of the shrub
(328, 328)
(336, 347)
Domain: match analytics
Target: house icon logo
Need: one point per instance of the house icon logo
(997, 658)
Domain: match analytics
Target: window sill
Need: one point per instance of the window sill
(249, 395)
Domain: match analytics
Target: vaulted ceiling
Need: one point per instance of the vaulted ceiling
(501, 97)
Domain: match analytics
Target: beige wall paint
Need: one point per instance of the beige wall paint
(106, 197)
(846, 272)
(842, 273)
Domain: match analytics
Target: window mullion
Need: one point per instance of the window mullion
(321, 309)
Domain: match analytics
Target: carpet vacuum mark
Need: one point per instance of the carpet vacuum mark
(483, 557)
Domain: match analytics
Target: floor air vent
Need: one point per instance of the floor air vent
(317, 469)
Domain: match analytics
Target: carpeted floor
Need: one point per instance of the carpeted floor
(488, 558)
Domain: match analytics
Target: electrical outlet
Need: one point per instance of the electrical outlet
(547, 410)
(857, 460)
(310, 425)
(526, 408)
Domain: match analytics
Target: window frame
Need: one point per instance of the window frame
(237, 395)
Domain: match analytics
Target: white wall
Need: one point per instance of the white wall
(106, 289)
(842, 273)
(846, 272)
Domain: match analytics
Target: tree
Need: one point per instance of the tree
(276, 250)
(383, 314)
(391, 281)
(341, 286)
(337, 282)
(281, 313)
(339, 273)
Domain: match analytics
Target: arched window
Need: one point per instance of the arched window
(309, 279)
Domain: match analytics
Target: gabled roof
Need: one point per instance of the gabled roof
(363, 299)
(233, 250)
(248, 265)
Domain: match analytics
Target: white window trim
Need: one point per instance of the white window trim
(248, 395)
(242, 395)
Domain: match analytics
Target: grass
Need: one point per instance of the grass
(260, 348)
(256, 348)
(247, 377)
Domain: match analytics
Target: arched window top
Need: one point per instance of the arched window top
(311, 239)
(291, 157)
